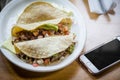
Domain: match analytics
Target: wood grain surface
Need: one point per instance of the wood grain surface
(100, 29)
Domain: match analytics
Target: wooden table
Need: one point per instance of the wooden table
(100, 28)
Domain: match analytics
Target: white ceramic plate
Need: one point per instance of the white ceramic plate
(9, 16)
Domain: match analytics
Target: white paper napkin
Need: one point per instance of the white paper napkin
(101, 6)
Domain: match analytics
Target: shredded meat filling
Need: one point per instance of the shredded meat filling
(40, 33)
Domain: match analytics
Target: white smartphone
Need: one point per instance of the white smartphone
(102, 57)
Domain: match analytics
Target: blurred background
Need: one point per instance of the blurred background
(3, 3)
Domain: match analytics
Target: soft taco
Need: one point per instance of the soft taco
(24, 32)
(45, 47)
(41, 11)
(46, 50)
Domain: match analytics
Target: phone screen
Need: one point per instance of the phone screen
(105, 55)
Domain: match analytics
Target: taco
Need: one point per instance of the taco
(44, 51)
(50, 48)
(24, 32)
(41, 11)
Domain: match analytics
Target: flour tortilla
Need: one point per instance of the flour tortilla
(45, 47)
(40, 11)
